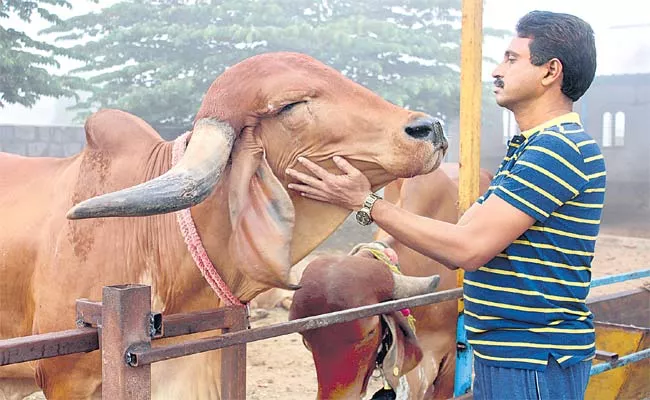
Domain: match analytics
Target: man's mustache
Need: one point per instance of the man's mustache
(498, 82)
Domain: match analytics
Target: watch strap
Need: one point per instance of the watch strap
(370, 201)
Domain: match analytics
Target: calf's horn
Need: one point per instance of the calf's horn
(188, 183)
(407, 286)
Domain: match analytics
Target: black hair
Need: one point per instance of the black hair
(567, 38)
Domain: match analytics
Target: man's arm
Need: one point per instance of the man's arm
(481, 234)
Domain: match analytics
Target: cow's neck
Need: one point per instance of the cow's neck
(213, 225)
(167, 266)
(314, 223)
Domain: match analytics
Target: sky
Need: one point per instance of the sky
(621, 30)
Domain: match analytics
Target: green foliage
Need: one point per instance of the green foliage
(156, 58)
(23, 60)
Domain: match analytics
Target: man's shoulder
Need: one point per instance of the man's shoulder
(555, 138)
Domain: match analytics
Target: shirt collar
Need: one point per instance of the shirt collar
(571, 117)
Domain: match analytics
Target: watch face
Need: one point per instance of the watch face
(363, 217)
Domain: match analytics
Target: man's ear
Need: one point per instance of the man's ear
(262, 215)
(554, 72)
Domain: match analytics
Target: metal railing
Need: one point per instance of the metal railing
(125, 326)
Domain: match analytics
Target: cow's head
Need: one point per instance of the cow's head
(257, 118)
(346, 354)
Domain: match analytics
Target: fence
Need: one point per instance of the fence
(125, 326)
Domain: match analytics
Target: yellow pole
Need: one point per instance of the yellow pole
(471, 56)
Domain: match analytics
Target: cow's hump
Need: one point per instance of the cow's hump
(113, 131)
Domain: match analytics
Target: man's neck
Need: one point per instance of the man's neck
(536, 113)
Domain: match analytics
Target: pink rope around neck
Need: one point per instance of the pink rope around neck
(193, 240)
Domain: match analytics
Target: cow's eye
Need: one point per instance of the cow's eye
(290, 106)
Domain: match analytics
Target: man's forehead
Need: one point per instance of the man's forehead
(520, 46)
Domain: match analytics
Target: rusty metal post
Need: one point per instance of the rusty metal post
(126, 313)
(233, 358)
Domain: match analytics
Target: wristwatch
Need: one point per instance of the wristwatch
(363, 215)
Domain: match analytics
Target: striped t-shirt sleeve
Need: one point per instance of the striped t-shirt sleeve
(547, 174)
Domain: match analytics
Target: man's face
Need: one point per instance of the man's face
(517, 81)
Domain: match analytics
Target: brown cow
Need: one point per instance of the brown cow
(253, 123)
(345, 354)
(434, 195)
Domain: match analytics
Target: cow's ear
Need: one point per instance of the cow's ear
(404, 352)
(262, 215)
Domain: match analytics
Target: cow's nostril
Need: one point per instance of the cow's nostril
(420, 128)
(439, 135)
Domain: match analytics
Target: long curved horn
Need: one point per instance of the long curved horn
(186, 184)
(407, 286)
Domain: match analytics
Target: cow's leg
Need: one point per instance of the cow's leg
(434, 376)
(444, 383)
(17, 388)
(17, 381)
(73, 377)
(421, 377)
(440, 362)
(193, 377)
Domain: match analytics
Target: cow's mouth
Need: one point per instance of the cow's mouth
(435, 160)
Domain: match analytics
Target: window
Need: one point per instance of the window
(613, 129)
(619, 129)
(510, 128)
(505, 126)
(607, 129)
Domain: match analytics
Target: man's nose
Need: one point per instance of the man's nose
(496, 72)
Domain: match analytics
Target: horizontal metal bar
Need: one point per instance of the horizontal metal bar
(603, 355)
(144, 357)
(47, 345)
(608, 280)
(631, 358)
(185, 324)
(85, 339)
(89, 313)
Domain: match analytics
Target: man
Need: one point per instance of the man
(528, 242)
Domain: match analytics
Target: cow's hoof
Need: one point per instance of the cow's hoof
(384, 394)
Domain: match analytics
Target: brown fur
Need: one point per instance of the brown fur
(344, 354)
(46, 261)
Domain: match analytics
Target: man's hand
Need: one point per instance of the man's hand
(348, 190)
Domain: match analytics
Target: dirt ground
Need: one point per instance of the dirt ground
(282, 368)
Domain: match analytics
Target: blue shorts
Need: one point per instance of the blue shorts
(555, 383)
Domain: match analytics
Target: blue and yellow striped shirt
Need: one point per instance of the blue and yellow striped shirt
(528, 303)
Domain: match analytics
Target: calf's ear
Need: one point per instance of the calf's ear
(404, 352)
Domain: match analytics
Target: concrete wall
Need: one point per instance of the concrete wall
(53, 141)
(41, 141)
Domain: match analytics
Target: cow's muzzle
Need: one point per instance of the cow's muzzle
(429, 129)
